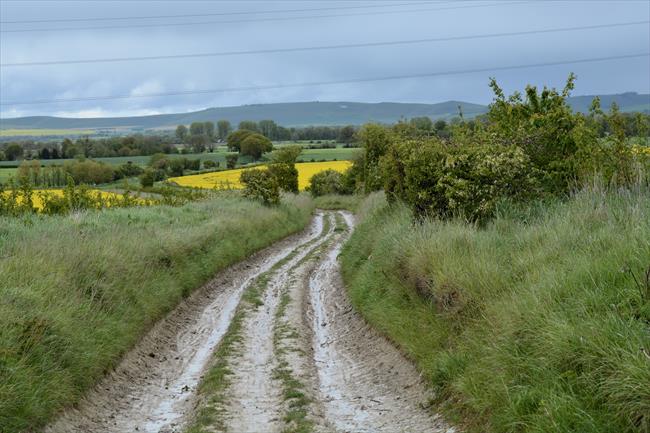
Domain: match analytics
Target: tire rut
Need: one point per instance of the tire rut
(254, 400)
(300, 358)
(153, 388)
(364, 383)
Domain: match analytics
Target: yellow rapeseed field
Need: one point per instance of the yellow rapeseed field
(38, 202)
(230, 178)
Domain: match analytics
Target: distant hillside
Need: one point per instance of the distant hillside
(630, 101)
(305, 113)
(286, 114)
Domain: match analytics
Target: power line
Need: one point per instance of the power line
(322, 47)
(333, 82)
(270, 19)
(213, 14)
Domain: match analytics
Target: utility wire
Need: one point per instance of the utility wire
(333, 82)
(270, 19)
(321, 47)
(214, 14)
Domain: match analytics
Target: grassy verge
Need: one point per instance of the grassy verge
(78, 291)
(338, 202)
(538, 322)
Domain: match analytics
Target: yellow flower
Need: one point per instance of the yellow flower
(38, 193)
(230, 178)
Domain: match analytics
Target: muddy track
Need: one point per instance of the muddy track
(302, 360)
(153, 388)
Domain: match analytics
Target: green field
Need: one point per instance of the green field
(6, 173)
(339, 153)
(44, 132)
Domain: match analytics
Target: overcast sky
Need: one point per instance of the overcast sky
(253, 27)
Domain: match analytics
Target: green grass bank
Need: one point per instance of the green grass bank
(78, 291)
(537, 322)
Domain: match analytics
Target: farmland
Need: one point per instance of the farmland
(230, 178)
(339, 153)
(44, 132)
(488, 275)
(105, 198)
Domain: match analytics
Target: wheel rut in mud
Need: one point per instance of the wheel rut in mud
(292, 355)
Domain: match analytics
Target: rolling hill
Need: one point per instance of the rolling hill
(304, 113)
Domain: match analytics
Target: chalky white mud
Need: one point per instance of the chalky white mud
(354, 379)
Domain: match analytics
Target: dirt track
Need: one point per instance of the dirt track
(305, 358)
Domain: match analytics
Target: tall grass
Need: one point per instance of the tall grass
(538, 322)
(77, 291)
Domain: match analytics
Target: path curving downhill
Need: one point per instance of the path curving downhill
(302, 359)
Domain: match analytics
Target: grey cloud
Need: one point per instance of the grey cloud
(64, 81)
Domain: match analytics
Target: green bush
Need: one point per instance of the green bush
(325, 183)
(286, 174)
(231, 160)
(254, 145)
(261, 185)
(469, 181)
(176, 166)
(129, 169)
(147, 178)
(208, 164)
(89, 171)
(192, 164)
(235, 139)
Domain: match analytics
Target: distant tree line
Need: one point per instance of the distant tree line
(202, 136)
(197, 138)
(204, 132)
(130, 145)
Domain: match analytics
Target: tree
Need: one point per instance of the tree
(223, 129)
(208, 129)
(198, 143)
(284, 167)
(376, 140)
(3, 157)
(423, 123)
(268, 128)
(260, 185)
(234, 139)
(231, 160)
(346, 134)
(287, 154)
(181, 133)
(147, 178)
(85, 144)
(176, 166)
(197, 128)
(13, 151)
(68, 148)
(286, 175)
(248, 125)
(255, 145)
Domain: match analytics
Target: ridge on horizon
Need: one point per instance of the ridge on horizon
(306, 113)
